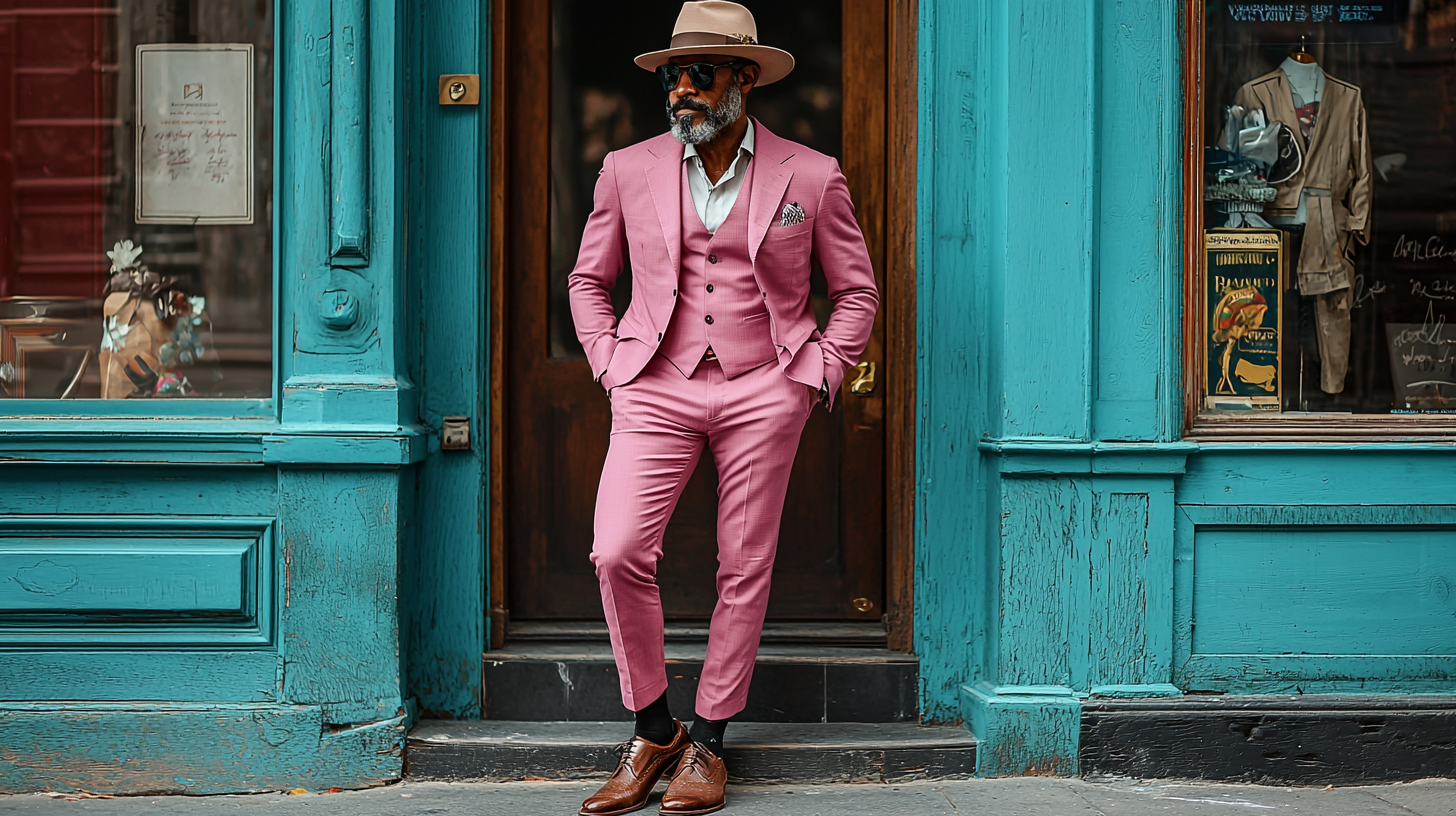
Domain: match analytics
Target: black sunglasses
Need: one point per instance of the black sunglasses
(703, 74)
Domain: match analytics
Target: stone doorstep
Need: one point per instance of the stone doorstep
(578, 682)
(498, 751)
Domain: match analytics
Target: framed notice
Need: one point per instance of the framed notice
(1243, 282)
(194, 140)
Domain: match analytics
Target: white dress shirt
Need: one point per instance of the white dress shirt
(714, 201)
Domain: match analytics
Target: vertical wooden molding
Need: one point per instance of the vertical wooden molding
(497, 281)
(349, 134)
(1193, 24)
(900, 325)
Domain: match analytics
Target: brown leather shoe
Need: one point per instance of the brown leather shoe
(642, 764)
(697, 787)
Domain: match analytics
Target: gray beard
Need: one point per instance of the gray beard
(714, 120)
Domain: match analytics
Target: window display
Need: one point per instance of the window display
(136, 167)
(1329, 142)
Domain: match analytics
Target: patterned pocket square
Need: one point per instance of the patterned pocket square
(792, 214)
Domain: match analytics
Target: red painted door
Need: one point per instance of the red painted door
(58, 89)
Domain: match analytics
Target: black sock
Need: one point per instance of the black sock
(709, 734)
(655, 723)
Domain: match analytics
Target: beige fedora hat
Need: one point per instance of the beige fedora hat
(720, 27)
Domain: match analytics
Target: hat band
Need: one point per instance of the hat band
(692, 38)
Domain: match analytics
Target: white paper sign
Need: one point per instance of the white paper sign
(194, 134)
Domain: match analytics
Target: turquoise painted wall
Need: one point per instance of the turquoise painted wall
(1069, 545)
(206, 596)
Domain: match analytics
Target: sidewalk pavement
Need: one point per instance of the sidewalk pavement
(989, 797)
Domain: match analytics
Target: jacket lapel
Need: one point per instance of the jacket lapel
(770, 181)
(664, 183)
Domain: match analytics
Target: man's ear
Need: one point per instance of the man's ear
(748, 77)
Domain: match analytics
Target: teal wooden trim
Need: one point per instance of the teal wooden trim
(168, 409)
(962, 173)
(1022, 731)
(1318, 674)
(134, 673)
(1373, 473)
(1321, 515)
(192, 749)
(349, 157)
(207, 444)
(1050, 457)
(445, 573)
(162, 581)
(100, 488)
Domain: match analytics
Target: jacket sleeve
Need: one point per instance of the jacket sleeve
(1360, 161)
(598, 263)
(840, 249)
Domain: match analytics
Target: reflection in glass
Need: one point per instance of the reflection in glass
(601, 101)
(191, 314)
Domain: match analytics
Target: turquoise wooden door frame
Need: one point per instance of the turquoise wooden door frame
(206, 597)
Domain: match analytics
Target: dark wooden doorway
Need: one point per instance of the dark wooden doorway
(570, 93)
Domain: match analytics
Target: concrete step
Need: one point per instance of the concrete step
(578, 682)
(495, 750)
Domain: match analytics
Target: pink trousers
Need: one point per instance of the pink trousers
(660, 424)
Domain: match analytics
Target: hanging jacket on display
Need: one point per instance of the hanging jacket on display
(1332, 191)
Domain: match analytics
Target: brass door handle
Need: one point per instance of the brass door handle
(864, 379)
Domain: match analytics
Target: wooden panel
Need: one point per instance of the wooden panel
(1118, 641)
(1046, 280)
(1319, 599)
(339, 625)
(1042, 556)
(1137, 192)
(73, 574)
(1363, 591)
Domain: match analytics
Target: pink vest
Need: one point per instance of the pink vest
(719, 303)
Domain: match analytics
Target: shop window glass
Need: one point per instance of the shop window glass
(136, 169)
(1328, 274)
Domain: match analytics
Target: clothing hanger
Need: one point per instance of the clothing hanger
(1301, 56)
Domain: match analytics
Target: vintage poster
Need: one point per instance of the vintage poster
(1243, 280)
(194, 134)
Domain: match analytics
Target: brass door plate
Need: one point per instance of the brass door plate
(459, 89)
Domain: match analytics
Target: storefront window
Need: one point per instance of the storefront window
(1328, 270)
(136, 168)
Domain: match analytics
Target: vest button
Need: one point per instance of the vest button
(708, 319)
(674, 293)
(710, 287)
(712, 259)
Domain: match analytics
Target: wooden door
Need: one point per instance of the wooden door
(571, 94)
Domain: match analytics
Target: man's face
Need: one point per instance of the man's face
(687, 99)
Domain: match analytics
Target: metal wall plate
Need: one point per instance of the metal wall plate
(460, 89)
(455, 433)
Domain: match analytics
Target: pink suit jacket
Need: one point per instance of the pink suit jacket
(637, 214)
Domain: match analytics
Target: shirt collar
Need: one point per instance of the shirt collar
(690, 151)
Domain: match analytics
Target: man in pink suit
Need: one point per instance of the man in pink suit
(718, 349)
